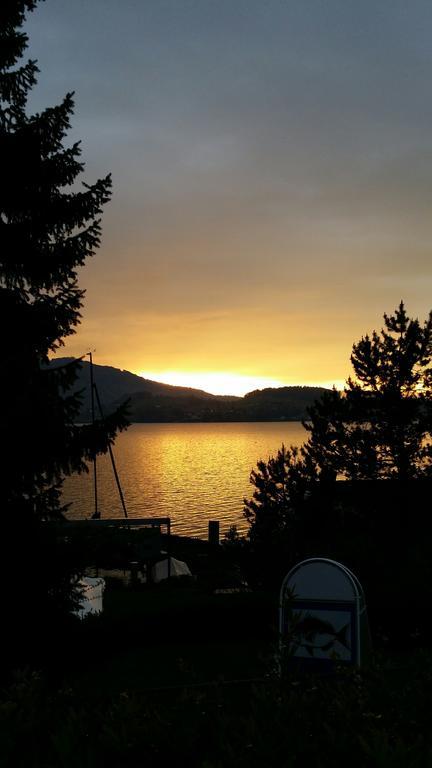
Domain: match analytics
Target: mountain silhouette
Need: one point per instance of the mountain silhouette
(151, 401)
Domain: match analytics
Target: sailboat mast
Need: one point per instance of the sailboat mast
(96, 513)
(95, 398)
(110, 450)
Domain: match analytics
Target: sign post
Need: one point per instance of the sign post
(322, 615)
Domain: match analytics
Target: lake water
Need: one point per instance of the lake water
(191, 473)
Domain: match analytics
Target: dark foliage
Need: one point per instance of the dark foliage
(379, 718)
(48, 228)
(380, 426)
(375, 436)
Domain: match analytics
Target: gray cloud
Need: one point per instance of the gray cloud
(264, 154)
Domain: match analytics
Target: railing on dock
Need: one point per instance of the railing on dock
(118, 522)
(138, 553)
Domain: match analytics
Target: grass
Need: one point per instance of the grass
(170, 635)
(176, 674)
(377, 718)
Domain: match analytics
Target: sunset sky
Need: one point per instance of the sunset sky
(272, 178)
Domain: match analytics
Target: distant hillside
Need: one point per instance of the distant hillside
(151, 401)
(290, 405)
(281, 402)
(115, 386)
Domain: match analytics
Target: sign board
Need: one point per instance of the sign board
(322, 612)
(91, 600)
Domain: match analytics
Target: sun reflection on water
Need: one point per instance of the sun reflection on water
(189, 472)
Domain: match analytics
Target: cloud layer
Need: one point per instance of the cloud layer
(272, 169)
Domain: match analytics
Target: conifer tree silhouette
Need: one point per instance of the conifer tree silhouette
(49, 226)
(380, 426)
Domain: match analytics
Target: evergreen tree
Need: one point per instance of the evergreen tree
(48, 228)
(281, 505)
(282, 486)
(380, 426)
(376, 435)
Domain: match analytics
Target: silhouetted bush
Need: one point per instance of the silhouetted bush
(359, 489)
(379, 717)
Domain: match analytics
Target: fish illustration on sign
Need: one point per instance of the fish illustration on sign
(308, 629)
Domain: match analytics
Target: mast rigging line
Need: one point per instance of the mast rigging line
(95, 394)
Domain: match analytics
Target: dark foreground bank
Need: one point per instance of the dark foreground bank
(376, 717)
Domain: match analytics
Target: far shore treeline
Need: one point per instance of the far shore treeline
(151, 401)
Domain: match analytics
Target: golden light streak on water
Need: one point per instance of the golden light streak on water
(189, 472)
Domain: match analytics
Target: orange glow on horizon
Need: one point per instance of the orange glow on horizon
(216, 383)
(222, 383)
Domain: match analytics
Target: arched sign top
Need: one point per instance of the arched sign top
(322, 579)
(322, 614)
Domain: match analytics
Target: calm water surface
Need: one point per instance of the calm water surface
(191, 473)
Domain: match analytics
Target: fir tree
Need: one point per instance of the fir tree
(380, 426)
(49, 227)
(376, 435)
(282, 486)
